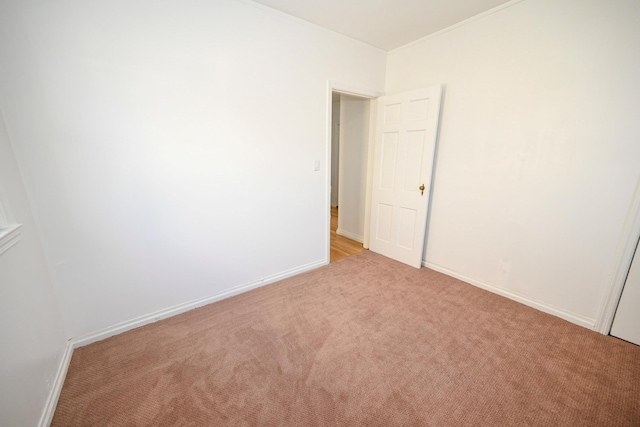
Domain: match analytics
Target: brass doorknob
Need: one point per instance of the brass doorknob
(421, 188)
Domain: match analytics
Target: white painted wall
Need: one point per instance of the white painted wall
(538, 151)
(32, 336)
(170, 145)
(354, 142)
(335, 149)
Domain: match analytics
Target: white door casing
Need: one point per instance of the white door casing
(406, 131)
(626, 323)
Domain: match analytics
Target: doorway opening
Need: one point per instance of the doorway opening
(350, 150)
(390, 217)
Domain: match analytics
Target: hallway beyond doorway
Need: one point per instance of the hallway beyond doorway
(341, 247)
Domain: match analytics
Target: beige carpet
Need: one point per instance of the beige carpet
(365, 341)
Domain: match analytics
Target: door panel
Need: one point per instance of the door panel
(406, 228)
(388, 160)
(403, 161)
(383, 229)
(413, 160)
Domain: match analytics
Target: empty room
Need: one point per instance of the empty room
(168, 213)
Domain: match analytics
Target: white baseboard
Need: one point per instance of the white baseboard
(350, 235)
(568, 316)
(58, 381)
(190, 305)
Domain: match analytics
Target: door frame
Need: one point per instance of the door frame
(360, 93)
(621, 264)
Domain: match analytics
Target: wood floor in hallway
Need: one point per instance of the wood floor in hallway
(341, 247)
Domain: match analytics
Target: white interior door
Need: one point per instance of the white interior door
(406, 130)
(626, 323)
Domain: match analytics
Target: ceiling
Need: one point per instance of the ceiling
(386, 24)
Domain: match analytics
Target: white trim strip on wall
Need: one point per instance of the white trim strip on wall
(54, 395)
(293, 18)
(461, 23)
(58, 382)
(190, 305)
(350, 235)
(563, 314)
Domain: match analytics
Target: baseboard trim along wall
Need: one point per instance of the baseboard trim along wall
(349, 235)
(54, 394)
(570, 317)
(61, 374)
(190, 305)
